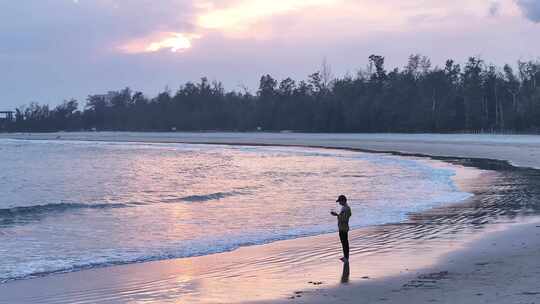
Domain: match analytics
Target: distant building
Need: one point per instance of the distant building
(7, 116)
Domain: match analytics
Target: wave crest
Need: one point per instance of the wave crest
(27, 213)
(210, 197)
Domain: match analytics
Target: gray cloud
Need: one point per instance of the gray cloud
(531, 9)
(494, 9)
(51, 50)
(67, 25)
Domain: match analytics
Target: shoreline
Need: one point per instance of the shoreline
(498, 266)
(427, 159)
(518, 150)
(312, 294)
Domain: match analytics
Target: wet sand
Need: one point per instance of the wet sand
(501, 266)
(484, 250)
(306, 266)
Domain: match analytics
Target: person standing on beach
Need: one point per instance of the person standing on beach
(343, 225)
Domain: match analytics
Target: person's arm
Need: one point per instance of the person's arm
(344, 214)
(337, 214)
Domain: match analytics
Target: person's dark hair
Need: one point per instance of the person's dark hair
(342, 198)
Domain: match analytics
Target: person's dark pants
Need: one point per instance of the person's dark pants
(344, 237)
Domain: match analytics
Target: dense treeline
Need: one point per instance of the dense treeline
(418, 98)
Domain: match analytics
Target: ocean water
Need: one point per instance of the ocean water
(73, 205)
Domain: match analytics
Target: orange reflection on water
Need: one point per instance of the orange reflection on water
(255, 273)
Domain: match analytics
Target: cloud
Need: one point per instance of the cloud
(494, 9)
(531, 9)
(171, 41)
(84, 26)
(231, 18)
(243, 14)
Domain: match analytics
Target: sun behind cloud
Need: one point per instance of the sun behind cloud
(171, 41)
(300, 19)
(176, 42)
(239, 17)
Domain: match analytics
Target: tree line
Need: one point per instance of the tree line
(470, 97)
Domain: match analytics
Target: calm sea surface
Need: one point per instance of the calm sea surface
(67, 206)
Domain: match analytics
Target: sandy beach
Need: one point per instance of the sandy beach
(520, 150)
(499, 267)
(481, 262)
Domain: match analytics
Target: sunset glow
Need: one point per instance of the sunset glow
(246, 13)
(266, 20)
(174, 42)
(239, 17)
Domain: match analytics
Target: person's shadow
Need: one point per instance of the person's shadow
(346, 273)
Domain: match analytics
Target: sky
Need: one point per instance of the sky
(52, 50)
